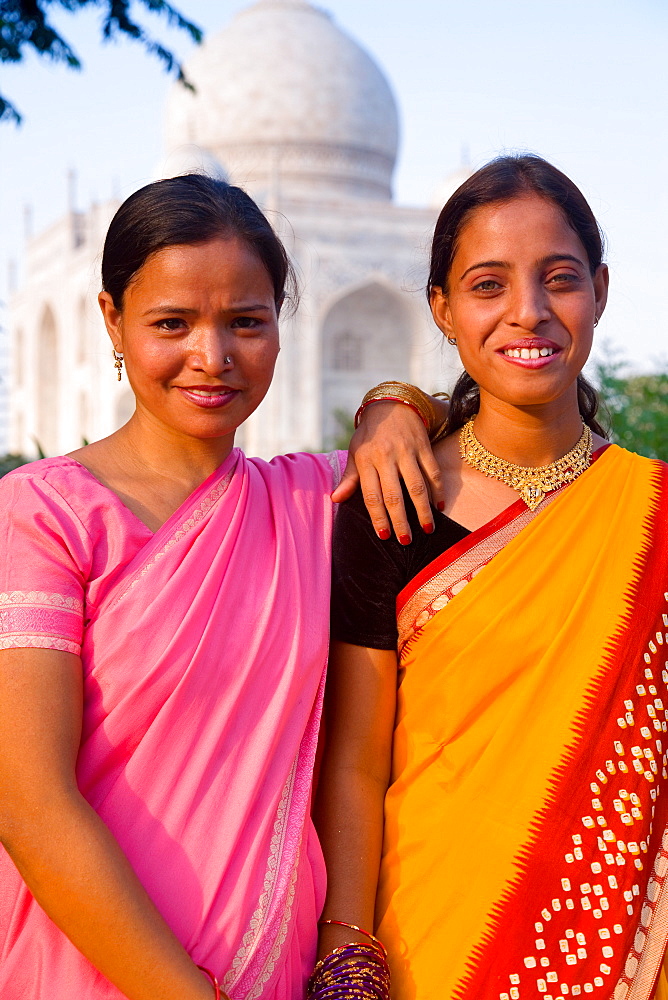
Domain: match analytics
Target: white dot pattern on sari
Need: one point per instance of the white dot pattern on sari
(624, 793)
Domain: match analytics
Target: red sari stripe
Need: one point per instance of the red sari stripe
(582, 859)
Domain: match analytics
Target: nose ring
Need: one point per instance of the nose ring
(228, 359)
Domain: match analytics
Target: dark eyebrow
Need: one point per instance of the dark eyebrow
(181, 311)
(552, 258)
(485, 263)
(168, 309)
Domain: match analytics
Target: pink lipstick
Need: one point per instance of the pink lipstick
(208, 397)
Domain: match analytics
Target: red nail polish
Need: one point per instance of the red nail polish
(428, 528)
(441, 505)
(405, 539)
(384, 534)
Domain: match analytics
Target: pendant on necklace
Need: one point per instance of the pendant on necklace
(532, 495)
(532, 483)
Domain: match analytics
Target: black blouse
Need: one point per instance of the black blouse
(368, 574)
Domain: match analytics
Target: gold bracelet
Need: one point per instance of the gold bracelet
(409, 395)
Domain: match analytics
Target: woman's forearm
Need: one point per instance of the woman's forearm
(361, 700)
(78, 874)
(349, 820)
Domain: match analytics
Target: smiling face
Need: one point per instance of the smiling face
(186, 313)
(521, 301)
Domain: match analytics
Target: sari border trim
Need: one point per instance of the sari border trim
(474, 537)
(202, 508)
(35, 598)
(644, 960)
(22, 641)
(38, 619)
(334, 460)
(460, 548)
(436, 585)
(250, 939)
(254, 965)
(442, 585)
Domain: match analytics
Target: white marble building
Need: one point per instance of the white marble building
(290, 107)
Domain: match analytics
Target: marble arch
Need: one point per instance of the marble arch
(367, 334)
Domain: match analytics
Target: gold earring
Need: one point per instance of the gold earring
(118, 363)
(453, 341)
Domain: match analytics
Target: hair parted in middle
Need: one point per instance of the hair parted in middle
(501, 180)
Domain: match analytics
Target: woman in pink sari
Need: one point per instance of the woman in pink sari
(163, 635)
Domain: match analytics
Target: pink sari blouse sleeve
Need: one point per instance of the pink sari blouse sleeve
(44, 563)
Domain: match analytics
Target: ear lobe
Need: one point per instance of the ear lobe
(440, 310)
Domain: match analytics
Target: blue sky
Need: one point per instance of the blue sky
(582, 82)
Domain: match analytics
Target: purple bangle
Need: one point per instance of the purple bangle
(357, 971)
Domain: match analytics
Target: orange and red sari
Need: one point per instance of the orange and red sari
(526, 840)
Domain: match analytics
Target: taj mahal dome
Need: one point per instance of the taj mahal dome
(311, 132)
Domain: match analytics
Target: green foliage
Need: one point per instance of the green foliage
(9, 462)
(24, 25)
(637, 408)
(346, 427)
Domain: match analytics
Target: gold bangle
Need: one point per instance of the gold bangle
(410, 395)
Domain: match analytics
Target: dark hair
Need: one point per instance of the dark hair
(187, 210)
(503, 179)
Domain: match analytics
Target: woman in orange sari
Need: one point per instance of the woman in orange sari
(499, 688)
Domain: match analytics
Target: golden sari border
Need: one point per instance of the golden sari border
(645, 958)
(257, 924)
(435, 586)
(447, 575)
(174, 535)
(40, 598)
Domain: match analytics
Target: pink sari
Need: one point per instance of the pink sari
(204, 665)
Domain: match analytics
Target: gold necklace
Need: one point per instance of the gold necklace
(531, 483)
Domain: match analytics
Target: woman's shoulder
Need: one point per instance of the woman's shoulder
(44, 538)
(43, 467)
(50, 495)
(62, 490)
(304, 470)
(46, 476)
(632, 459)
